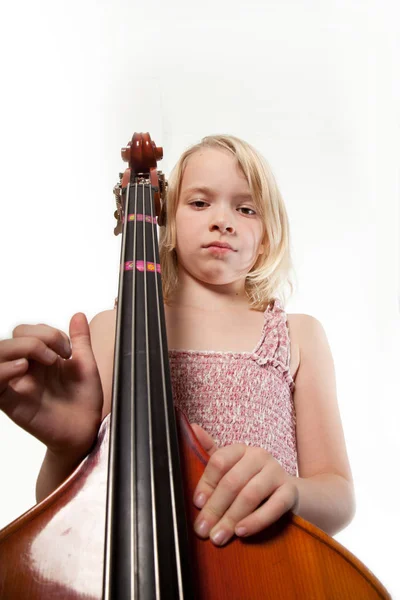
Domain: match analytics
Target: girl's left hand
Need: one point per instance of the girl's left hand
(236, 480)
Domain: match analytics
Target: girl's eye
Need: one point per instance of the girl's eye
(253, 212)
(198, 202)
(250, 214)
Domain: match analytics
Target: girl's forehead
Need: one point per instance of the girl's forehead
(213, 164)
(208, 157)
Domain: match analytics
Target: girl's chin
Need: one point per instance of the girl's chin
(218, 273)
(216, 278)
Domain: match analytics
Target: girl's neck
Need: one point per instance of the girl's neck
(207, 298)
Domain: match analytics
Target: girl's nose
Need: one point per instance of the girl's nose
(223, 223)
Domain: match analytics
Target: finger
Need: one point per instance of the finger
(284, 498)
(228, 488)
(219, 464)
(27, 347)
(82, 352)
(251, 495)
(11, 369)
(204, 438)
(52, 337)
(80, 333)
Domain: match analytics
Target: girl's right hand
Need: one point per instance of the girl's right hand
(54, 396)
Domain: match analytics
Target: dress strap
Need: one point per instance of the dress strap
(274, 345)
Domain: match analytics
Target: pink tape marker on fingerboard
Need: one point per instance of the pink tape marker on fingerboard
(139, 217)
(150, 266)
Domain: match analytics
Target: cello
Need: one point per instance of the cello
(120, 526)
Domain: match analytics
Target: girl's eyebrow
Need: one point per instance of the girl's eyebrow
(206, 190)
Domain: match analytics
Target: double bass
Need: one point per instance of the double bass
(120, 527)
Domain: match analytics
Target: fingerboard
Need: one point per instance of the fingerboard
(147, 551)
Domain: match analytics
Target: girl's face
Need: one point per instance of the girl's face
(215, 205)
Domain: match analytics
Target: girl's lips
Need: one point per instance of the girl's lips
(218, 249)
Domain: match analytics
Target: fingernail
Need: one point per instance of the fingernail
(50, 356)
(200, 500)
(241, 531)
(67, 347)
(220, 537)
(202, 528)
(18, 363)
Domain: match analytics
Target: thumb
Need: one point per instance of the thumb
(79, 334)
(204, 438)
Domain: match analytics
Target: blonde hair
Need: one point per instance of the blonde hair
(271, 272)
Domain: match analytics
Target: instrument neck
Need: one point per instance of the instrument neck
(146, 538)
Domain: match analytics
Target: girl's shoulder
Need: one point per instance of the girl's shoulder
(306, 331)
(301, 327)
(102, 326)
(302, 324)
(298, 321)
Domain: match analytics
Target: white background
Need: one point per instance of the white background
(313, 85)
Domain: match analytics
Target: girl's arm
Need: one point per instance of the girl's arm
(325, 483)
(54, 470)
(57, 467)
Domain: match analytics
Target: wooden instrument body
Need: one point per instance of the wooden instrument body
(56, 550)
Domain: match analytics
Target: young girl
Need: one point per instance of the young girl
(257, 384)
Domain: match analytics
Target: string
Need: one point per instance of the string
(151, 447)
(110, 513)
(134, 565)
(166, 420)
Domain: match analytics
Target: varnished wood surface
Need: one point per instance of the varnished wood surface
(55, 550)
(292, 559)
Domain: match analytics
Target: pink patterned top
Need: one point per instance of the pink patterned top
(244, 397)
